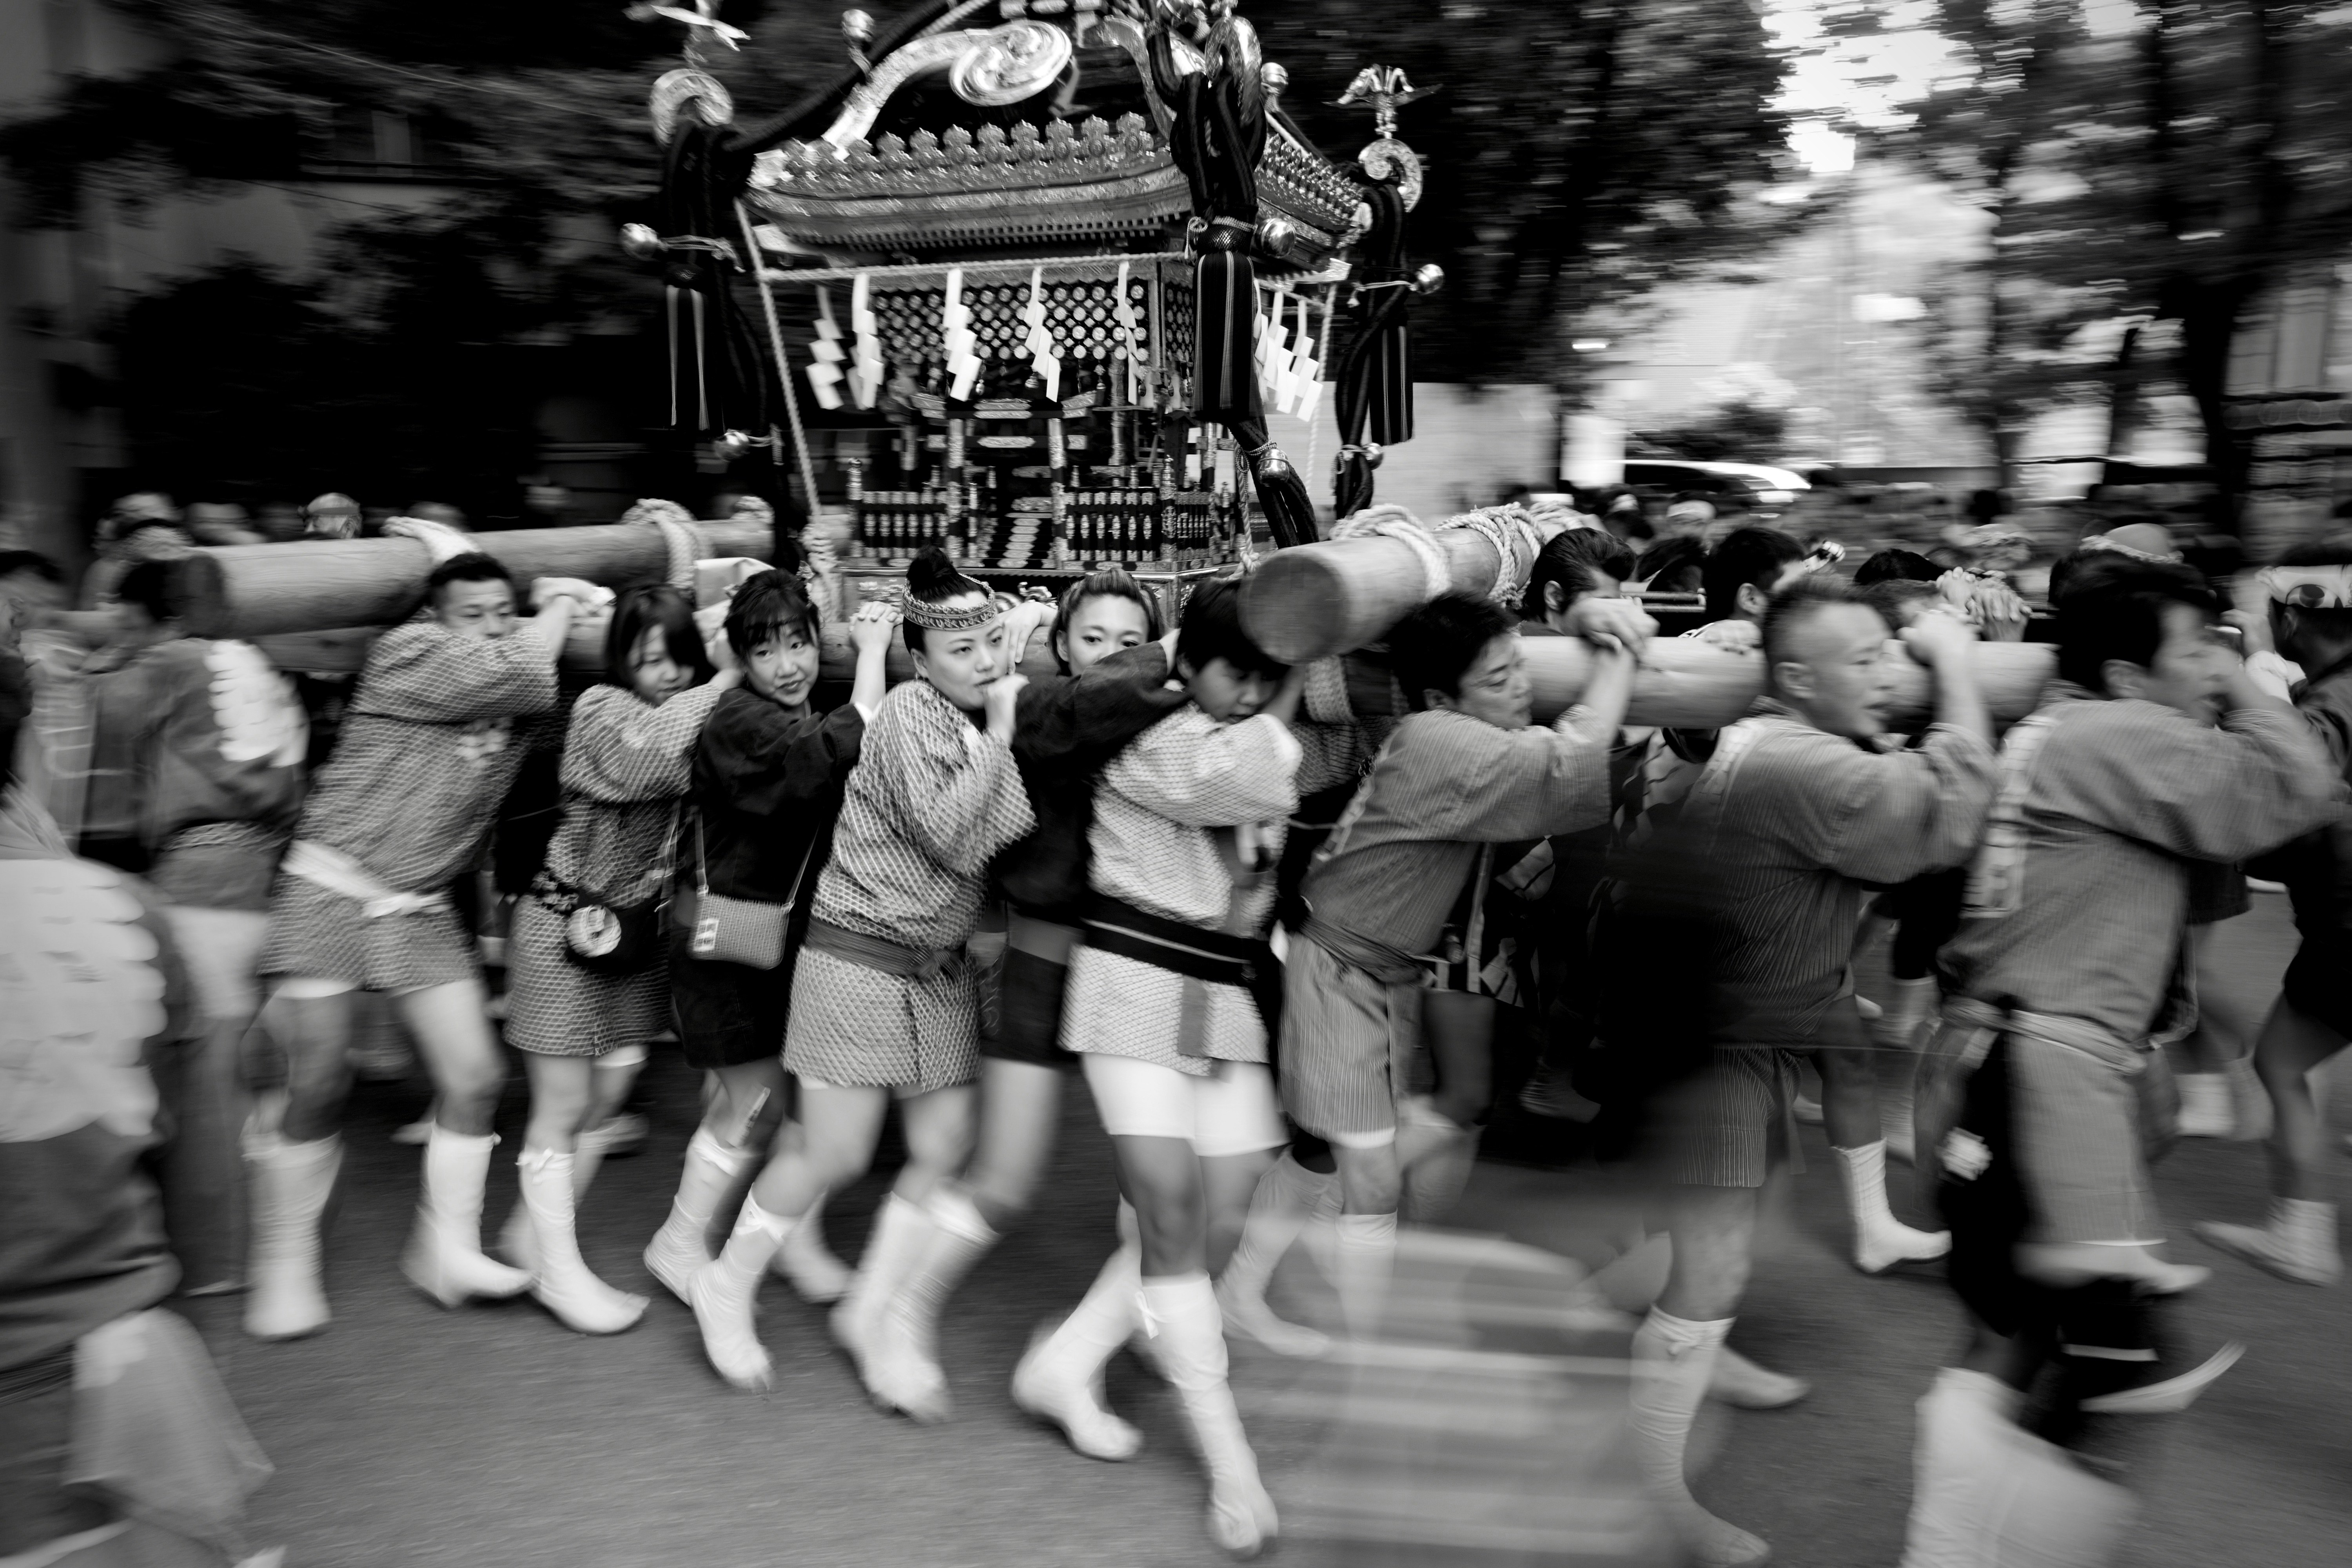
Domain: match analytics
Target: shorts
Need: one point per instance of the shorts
(319, 935)
(1732, 1123)
(2319, 981)
(728, 1014)
(1229, 1111)
(1350, 1049)
(1029, 1013)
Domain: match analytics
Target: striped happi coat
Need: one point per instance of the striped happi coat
(1443, 785)
(1790, 824)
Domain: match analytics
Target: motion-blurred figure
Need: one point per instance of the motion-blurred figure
(118, 1445)
(1790, 818)
(2156, 752)
(2310, 593)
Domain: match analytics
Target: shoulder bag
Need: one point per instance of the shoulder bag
(723, 930)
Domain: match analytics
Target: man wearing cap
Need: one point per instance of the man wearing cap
(331, 516)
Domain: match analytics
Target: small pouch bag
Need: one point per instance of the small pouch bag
(723, 930)
(606, 937)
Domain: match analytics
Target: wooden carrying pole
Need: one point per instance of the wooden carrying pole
(1312, 601)
(257, 591)
(1683, 684)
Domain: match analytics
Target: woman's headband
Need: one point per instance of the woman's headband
(953, 617)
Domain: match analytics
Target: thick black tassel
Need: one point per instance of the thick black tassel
(1281, 492)
(1391, 379)
(1224, 353)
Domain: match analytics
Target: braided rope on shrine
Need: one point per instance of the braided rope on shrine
(1516, 538)
(1392, 521)
(681, 534)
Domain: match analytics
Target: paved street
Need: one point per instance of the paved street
(410, 1435)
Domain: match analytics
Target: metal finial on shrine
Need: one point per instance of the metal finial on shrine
(1384, 89)
(857, 28)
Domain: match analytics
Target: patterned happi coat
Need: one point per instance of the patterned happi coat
(930, 804)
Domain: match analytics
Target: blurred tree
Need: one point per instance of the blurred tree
(1739, 432)
(2175, 164)
(1580, 153)
(398, 358)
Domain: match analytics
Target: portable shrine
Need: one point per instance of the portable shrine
(1051, 262)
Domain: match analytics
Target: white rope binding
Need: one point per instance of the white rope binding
(681, 534)
(1516, 536)
(1390, 522)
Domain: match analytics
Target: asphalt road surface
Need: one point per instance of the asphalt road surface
(407, 1435)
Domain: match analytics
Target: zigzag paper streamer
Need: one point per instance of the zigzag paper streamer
(866, 370)
(1307, 370)
(956, 338)
(824, 355)
(1040, 341)
(1131, 336)
(1280, 360)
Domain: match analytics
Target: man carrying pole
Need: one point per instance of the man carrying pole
(424, 762)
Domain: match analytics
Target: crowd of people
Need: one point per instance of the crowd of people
(1268, 933)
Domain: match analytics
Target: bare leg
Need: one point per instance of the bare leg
(444, 1257)
(740, 1091)
(1227, 1184)
(562, 1100)
(1674, 1353)
(1370, 1186)
(2293, 1043)
(1163, 1180)
(839, 1127)
(1848, 1096)
(938, 1139)
(1714, 1231)
(316, 1032)
(1020, 1113)
(2298, 1241)
(452, 1032)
